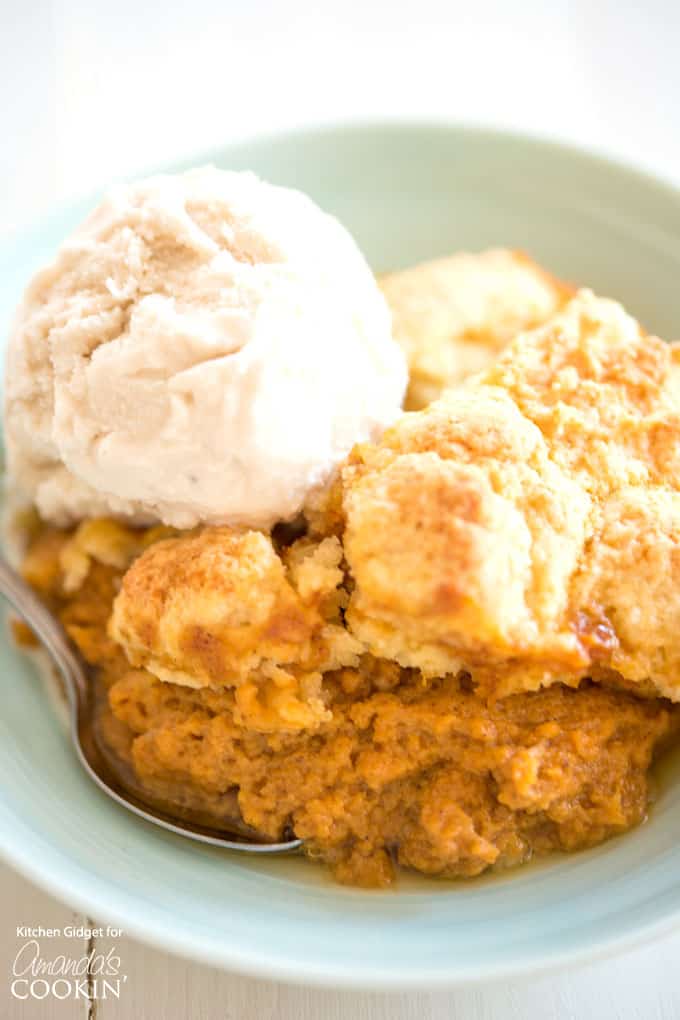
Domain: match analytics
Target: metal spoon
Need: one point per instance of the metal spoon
(79, 692)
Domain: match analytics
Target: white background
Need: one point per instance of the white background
(91, 91)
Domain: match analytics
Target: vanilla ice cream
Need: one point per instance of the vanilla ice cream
(204, 348)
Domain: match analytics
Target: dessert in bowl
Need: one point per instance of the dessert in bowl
(439, 638)
(409, 193)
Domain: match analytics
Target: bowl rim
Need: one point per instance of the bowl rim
(367, 125)
(202, 950)
(73, 885)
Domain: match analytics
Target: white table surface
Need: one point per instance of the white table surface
(91, 91)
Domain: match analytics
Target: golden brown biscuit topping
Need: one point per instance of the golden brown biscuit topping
(482, 531)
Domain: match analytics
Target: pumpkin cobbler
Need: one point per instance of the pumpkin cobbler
(464, 651)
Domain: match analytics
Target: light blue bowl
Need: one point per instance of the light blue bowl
(408, 192)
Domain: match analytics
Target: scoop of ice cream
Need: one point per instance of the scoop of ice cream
(204, 348)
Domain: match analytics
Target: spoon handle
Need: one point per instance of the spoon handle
(53, 637)
(46, 627)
